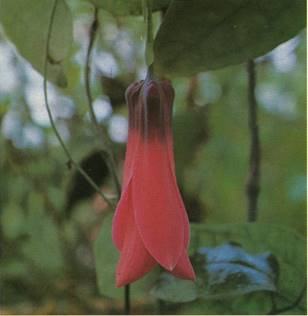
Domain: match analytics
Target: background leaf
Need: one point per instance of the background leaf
(222, 272)
(231, 271)
(28, 32)
(227, 272)
(284, 244)
(201, 35)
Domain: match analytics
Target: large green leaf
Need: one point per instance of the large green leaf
(106, 258)
(222, 272)
(284, 244)
(200, 35)
(271, 259)
(124, 7)
(231, 271)
(26, 25)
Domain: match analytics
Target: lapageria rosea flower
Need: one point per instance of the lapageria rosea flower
(150, 225)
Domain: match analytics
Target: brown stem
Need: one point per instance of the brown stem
(192, 89)
(253, 183)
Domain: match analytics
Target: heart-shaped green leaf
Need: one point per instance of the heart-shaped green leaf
(231, 271)
(200, 35)
(26, 24)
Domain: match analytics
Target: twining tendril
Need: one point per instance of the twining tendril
(71, 161)
(107, 155)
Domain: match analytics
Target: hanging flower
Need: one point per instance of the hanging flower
(150, 225)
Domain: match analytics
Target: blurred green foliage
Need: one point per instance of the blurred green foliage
(48, 252)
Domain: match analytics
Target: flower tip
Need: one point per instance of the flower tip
(169, 264)
(188, 274)
(184, 269)
(120, 281)
(191, 275)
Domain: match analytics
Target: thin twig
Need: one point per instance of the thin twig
(192, 88)
(253, 183)
(70, 159)
(101, 132)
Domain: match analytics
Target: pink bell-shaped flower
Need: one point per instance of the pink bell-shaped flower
(150, 225)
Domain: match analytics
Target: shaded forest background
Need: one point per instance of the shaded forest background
(50, 217)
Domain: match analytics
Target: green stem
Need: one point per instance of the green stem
(127, 299)
(253, 183)
(70, 159)
(103, 136)
(149, 55)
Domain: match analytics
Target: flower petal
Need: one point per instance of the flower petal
(184, 269)
(135, 261)
(131, 96)
(121, 217)
(158, 213)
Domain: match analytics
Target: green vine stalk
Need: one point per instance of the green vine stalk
(102, 133)
(71, 161)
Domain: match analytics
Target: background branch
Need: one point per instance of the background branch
(253, 183)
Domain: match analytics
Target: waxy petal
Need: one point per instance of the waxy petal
(135, 261)
(122, 216)
(131, 98)
(184, 269)
(158, 214)
(150, 225)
